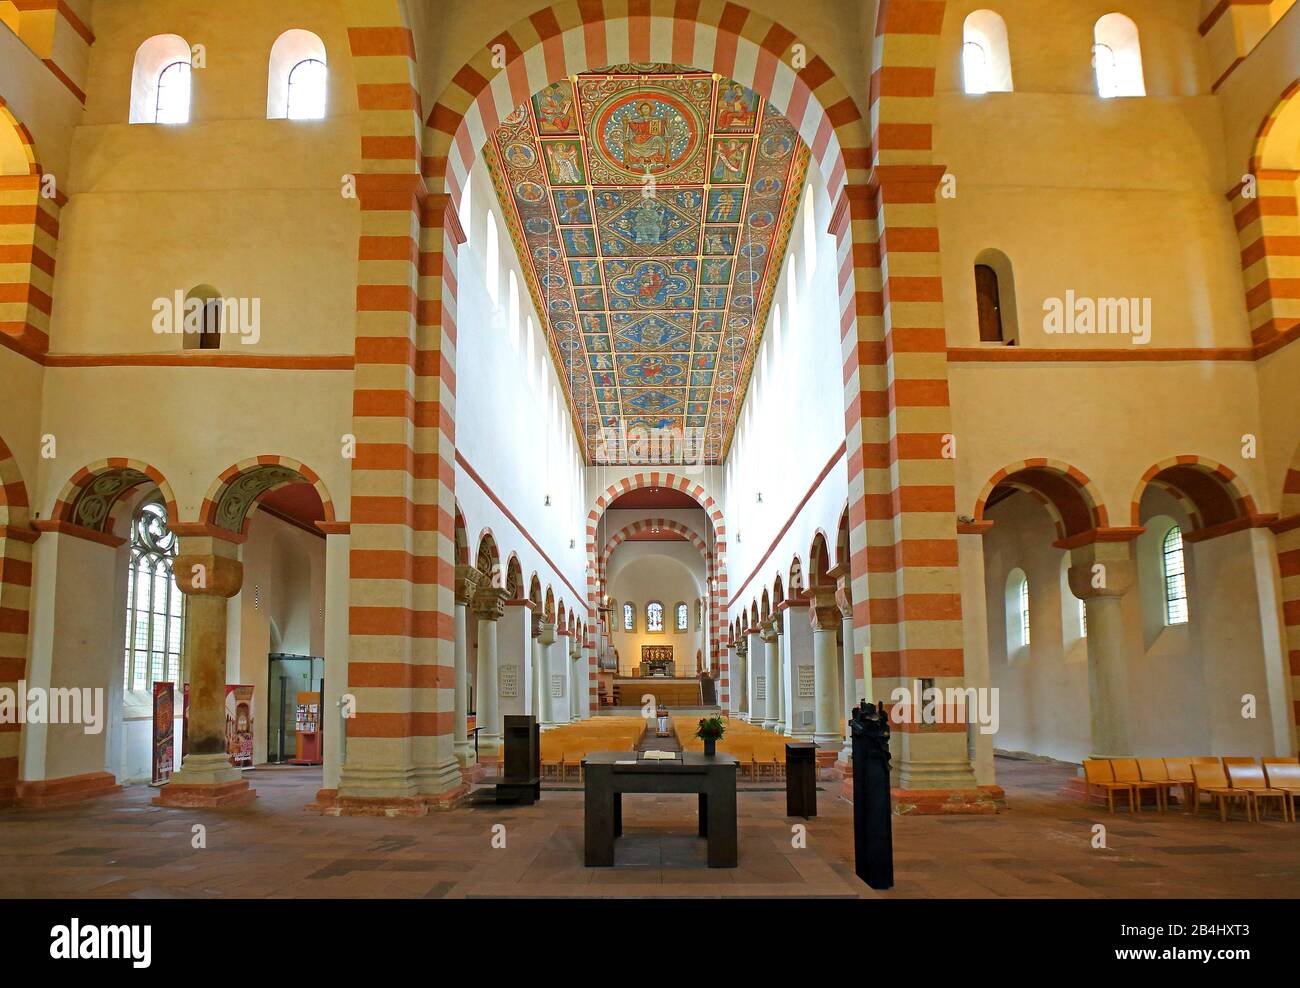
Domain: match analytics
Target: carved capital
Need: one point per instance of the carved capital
(468, 580)
(844, 597)
(489, 603)
(546, 632)
(823, 611)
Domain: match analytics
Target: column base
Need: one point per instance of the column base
(183, 796)
(464, 751)
(329, 803)
(473, 774)
(40, 793)
(981, 800)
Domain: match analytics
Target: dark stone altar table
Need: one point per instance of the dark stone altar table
(712, 777)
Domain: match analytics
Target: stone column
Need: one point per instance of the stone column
(546, 639)
(535, 659)
(824, 616)
(489, 606)
(1101, 574)
(576, 668)
(782, 702)
(209, 574)
(771, 674)
(970, 561)
(848, 667)
(333, 711)
(736, 675)
(1273, 633)
(757, 670)
(559, 665)
(467, 583)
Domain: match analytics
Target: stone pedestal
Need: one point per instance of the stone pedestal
(208, 574)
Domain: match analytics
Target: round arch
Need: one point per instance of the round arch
(1067, 493)
(232, 495)
(17, 150)
(487, 558)
(1212, 495)
(14, 505)
(88, 497)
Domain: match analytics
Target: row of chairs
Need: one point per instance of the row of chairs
(761, 753)
(1226, 781)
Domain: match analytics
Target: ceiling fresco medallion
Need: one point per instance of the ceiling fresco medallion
(652, 207)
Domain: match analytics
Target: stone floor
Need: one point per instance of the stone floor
(121, 846)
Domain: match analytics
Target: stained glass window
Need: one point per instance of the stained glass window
(629, 617)
(683, 618)
(154, 605)
(654, 616)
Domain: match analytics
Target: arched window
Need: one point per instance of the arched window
(307, 90)
(160, 81)
(172, 105)
(985, 54)
(699, 615)
(1017, 609)
(1175, 574)
(683, 617)
(491, 260)
(654, 616)
(204, 309)
(1083, 620)
(1117, 57)
(995, 298)
(154, 605)
(512, 305)
(629, 617)
(809, 233)
(297, 78)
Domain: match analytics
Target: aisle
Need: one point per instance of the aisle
(649, 742)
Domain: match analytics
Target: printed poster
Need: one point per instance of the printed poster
(164, 732)
(239, 725)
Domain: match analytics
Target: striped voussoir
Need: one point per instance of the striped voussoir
(1222, 498)
(29, 234)
(208, 508)
(16, 538)
(1268, 226)
(1088, 511)
(82, 482)
(401, 585)
(716, 561)
(579, 35)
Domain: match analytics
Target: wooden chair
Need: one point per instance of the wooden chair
(1126, 770)
(1213, 782)
(1154, 773)
(1284, 776)
(1098, 772)
(1281, 760)
(1251, 779)
(1180, 773)
(1230, 760)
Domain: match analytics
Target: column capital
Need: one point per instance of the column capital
(468, 579)
(207, 574)
(766, 630)
(546, 632)
(823, 611)
(844, 596)
(489, 603)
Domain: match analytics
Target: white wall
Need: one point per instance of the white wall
(668, 572)
(512, 426)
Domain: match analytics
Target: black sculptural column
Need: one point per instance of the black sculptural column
(873, 818)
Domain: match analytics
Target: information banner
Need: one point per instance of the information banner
(164, 732)
(239, 725)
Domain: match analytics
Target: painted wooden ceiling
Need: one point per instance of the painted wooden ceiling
(651, 206)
